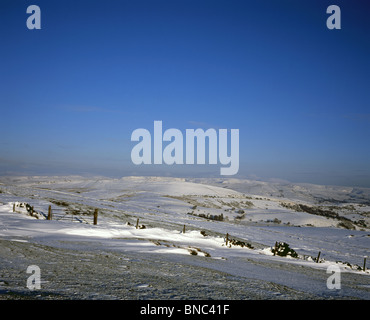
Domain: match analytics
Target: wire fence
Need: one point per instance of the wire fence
(61, 215)
(58, 214)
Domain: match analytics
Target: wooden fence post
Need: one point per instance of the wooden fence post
(96, 217)
(364, 268)
(183, 230)
(275, 249)
(227, 238)
(49, 214)
(137, 223)
(14, 207)
(318, 257)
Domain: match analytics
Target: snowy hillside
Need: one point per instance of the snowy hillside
(234, 231)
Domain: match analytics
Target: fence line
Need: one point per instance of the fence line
(62, 215)
(59, 214)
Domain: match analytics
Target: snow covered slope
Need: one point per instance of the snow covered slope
(222, 226)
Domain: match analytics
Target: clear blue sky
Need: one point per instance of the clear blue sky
(72, 92)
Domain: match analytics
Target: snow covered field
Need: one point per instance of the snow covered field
(139, 250)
